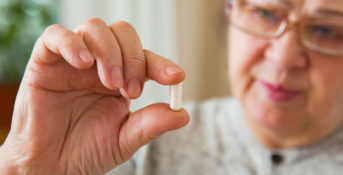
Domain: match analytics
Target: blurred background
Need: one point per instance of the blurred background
(192, 33)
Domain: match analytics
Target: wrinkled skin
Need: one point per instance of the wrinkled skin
(316, 111)
(72, 110)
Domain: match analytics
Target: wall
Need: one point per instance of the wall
(202, 48)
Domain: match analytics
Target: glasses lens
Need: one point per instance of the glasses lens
(256, 19)
(324, 38)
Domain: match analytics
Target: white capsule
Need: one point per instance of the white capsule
(176, 97)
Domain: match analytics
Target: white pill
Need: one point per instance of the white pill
(176, 97)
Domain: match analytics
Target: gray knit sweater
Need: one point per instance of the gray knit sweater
(218, 142)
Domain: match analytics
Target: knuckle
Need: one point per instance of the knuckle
(95, 22)
(165, 62)
(161, 61)
(135, 61)
(147, 137)
(147, 52)
(68, 39)
(122, 24)
(105, 55)
(52, 29)
(90, 24)
(64, 36)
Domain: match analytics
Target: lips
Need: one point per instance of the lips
(279, 93)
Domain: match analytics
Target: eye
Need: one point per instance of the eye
(323, 30)
(267, 14)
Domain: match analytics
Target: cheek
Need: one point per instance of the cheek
(244, 52)
(326, 93)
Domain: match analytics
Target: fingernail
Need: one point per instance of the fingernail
(117, 77)
(85, 56)
(173, 70)
(134, 88)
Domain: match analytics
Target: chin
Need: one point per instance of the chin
(265, 116)
(271, 120)
(272, 116)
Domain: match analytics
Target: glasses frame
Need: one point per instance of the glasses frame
(286, 25)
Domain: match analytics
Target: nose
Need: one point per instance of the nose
(286, 52)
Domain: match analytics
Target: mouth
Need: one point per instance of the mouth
(278, 93)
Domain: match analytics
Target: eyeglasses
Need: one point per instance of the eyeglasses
(320, 36)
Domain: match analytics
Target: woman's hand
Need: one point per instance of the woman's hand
(72, 110)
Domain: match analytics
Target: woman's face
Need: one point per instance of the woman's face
(291, 95)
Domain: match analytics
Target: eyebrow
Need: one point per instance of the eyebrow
(286, 2)
(330, 12)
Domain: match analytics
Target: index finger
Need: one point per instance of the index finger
(163, 70)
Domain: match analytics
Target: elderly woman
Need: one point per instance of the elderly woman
(72, 112)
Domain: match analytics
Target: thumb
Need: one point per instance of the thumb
(147, 124)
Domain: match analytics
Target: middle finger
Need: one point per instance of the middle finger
(106, 51)
(133, 58)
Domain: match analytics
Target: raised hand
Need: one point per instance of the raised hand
(72, 110)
